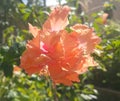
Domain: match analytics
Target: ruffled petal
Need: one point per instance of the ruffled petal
(32, 60)
(86, 37)
(57, 19)
(60, 75)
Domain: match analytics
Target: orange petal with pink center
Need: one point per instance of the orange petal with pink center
(65, 55)
(53, 45)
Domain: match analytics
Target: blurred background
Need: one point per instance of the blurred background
(101, 83)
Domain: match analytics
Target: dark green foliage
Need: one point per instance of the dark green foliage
(9, 56)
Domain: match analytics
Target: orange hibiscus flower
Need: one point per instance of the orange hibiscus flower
(64, 55)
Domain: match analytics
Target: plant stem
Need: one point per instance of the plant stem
(54, 91)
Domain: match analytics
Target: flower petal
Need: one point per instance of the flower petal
(32, 60)
(86, 37)
(33, 30)
(57, 20)
(59, 75)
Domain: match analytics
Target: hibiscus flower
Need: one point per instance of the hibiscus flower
(62, 54)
